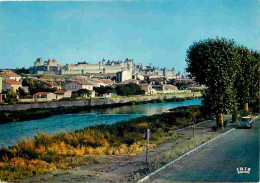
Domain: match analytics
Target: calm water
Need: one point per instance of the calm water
(11, 133)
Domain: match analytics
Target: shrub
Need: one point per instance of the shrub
(130, 138)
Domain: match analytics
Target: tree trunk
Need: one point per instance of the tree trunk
(246, 107)
(220, 120)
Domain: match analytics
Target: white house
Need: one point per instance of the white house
(10, 84)
(52, 84)
(77, 85)
(62, 94)
(123, 75)
(147, 88)
(10, 75)
(44, 96)
(97, 82)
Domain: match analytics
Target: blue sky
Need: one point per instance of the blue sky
(159, 32)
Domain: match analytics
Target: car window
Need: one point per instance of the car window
(245, 119)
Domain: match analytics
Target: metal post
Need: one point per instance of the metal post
(193, 129)
(147, 147)
(193, 125)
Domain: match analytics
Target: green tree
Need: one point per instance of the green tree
(215, 63)
(247, 80)
(11, 97)
(35, 85)
(21, 71)
(80, 93)
(103, 90)
(21, 93)
(129, 89)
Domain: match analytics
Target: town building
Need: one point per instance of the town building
(103, 67)
(52, 84)
(123, 75)
(147, 88)
(155, 71)
(130, 81)
(77, 85)
(46, 67)
(44, 96)
(62, 94)
(170, 88)
(100, 82)
(10, 84)
(1, 83)
(7, 74)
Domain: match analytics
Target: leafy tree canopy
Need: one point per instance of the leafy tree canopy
(35, 85)
(11, 97)
(103, 90)
(129, 89)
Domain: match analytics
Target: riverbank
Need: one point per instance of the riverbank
(45, 110)
(46, 153)
(130, 168)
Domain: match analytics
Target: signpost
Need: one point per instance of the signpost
(147, 135)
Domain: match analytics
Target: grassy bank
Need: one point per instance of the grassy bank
(12, 116)
(46, 153)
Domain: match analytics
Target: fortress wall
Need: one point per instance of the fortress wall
(71, 72)
(83, 66)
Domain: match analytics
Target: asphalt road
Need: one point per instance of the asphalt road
(219, 160)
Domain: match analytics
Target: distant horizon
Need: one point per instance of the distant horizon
(157, 32)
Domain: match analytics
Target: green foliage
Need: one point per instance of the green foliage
(80, 93)
(247, 80)
(21, 93)
(230, 72)
(182, 85)
(129, 89)
(103, 90)
(11, 97)
(36, 85)
(21, 71)
(131, 137)
(215, 63)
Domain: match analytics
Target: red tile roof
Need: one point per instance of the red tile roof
(52, 83)
(11, 74)
(42, 93)
(82, 82)
(97, 80)
(11, 82)
(106, 81)
(109, 81)
(60, 91)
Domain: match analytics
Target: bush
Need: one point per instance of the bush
(130, 138)
(129, 89)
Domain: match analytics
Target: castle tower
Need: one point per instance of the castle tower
(103, 61)
(165, 74)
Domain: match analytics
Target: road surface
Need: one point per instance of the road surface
(219, 160)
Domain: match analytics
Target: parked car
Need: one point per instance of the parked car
(246, 122)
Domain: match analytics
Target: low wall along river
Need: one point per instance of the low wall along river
(93, 102)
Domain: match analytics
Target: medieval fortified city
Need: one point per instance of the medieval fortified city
(129, 91)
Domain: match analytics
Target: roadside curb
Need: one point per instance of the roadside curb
(182, 156)
(186, 154)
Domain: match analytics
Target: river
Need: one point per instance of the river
(11, 133)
